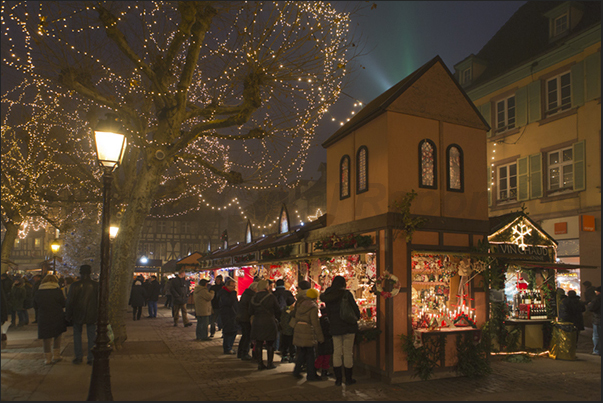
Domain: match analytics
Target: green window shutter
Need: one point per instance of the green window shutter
(522, 179)
(521, 107)
(489, 186)
(535, 176)
(485, 111)
(592, 74)
(579, 166)
(534, 101)
(578, 84)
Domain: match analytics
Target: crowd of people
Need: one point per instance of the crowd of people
(309, 329)
(306, 329)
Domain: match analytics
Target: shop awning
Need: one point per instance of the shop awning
(548, 265)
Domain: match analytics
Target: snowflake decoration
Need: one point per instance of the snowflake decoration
(521, 230)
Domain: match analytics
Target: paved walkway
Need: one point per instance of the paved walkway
(162, 363)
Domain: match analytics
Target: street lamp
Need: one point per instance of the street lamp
(110, 146)
(55, 246)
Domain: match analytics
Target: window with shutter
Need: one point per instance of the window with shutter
(506, 183)
(558, 94)
(505, 114)
(560, 171)
(535, 176)
(579, 169)
(522, 179)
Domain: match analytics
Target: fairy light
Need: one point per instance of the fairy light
(297, 93)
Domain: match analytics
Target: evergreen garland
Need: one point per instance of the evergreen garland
(472, 356)
(425, 358)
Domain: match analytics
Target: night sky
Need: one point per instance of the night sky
(398, 37)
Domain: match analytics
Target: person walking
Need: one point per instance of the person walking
(82, 309)
(244, 321)
(306, 334)
(571, 311)
(594, 307)
(138, 296)
(215, 306)
(227, 304)
(343, 332)
(264, 310)
(18, 295)
(168, 295)
(153, 296)
(50, 301)
(202, 297)
(179, 288)
(324, 350)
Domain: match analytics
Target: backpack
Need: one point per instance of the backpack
(282, 303)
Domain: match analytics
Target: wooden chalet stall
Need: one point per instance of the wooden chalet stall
(423, 136)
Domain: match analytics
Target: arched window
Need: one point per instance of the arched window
(427, 165)
(344, 177)
(362, 170)
(454, 168)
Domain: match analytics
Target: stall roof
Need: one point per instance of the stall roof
(501, 229)
(556, 266)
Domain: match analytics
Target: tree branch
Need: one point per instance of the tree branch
(234, 178)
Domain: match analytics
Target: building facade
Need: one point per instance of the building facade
(537, 82)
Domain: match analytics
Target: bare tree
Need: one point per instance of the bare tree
(211, 94)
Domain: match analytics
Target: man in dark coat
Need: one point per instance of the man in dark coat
(153, 296)
(138, 296)
(215, 306)
(244, 322)
(228, 302)
(284, 298)
(571, 311)
(264, 309)
(594, 307)
(82, 309)
(180, 290)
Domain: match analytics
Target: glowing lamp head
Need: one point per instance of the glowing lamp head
(55, 246)
(113, 232)
(144, 260)
(110, 141)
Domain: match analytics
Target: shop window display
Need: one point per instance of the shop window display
(440, 292)
(360, 273)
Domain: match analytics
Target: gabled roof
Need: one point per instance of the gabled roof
(525, 36)
(380, 104)
(502, 229)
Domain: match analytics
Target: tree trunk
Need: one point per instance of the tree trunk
(125, 248)
(12, 230)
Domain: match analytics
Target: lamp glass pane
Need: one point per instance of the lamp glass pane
(109, 147)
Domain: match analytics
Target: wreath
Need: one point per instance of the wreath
(387, 285)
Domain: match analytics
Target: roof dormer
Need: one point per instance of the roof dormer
(468, 70)
(563, 19)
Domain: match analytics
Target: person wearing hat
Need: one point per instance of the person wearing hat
(571, 311)
(264, 310)
(284, 298)
(82, 309)
(202, 297)
(343, 332)
(594, 307)
(306, 334)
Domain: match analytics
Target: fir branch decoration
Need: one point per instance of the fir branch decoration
(424, 358)
(406, 223)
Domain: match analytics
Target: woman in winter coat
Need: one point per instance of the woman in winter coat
(228, 305)
(343, 333)
(306, 334)
(202, 297)
(244, 322)
(138, 297)
(264, 328)
(50, 301)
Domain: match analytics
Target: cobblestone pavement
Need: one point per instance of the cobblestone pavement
(160, 362)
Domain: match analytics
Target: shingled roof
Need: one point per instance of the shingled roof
(525, 36)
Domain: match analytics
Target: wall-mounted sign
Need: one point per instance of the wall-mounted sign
(560, 228)
(587, 223)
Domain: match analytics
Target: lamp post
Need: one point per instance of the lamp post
(110, 146)
(55, 246)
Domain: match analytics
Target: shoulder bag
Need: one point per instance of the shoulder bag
(346, 311)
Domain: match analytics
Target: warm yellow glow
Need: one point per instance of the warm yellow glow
(113, 231)
(55, 246)
(110, 147)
